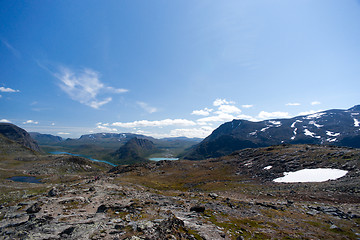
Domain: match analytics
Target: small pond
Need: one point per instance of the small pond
(25, 179)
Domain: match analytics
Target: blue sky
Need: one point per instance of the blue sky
(174, 68)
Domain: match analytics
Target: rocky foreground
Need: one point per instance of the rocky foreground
(224, 198)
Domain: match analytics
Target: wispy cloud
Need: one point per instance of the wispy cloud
(147, 107)
(156, 123)
(30, 122)
(315, 103)
(8, 90)
(247, 106)
(293, 104)
(11, 48)
(85, 86)
(4, 121)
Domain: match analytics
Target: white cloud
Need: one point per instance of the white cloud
(203, 112)
(192, 132)
(106, 129)
(220, 101)
(85, 87)
(315, 103)
(160, 123)
(9, 90)
(146, 107)
(228, 109)
(247, 117)
(4, 121)
(247, 106)
(221, 117)
(52, 124)
(272, 115)
(293, 104)
(63, 133)
(30, 122)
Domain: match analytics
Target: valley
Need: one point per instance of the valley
(238, 194)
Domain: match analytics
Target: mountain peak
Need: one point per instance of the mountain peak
(355, 108)
(135, 150)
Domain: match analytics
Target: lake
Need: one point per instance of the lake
(160, 159)
(80, 155)
(25, 179)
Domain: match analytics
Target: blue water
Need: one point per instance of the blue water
(25, 179)
(160, 159)
(80, 155)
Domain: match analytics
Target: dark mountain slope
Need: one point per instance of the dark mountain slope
(134, 151)
(332, 127)
(18, 135)
(43, 139)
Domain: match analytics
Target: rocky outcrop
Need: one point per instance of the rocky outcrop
(18, 135)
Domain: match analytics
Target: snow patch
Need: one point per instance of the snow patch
(355, 114)
(331, 139)
(315, 124)
(293, 124)
(312, 175)
(253, 133)
(278, 123)
(311, 134)
(332, 134)
(293, 137)
(267, 167)
(356, 123)
(264, 129)
(315, 115)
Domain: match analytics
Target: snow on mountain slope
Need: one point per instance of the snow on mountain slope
(335, 127)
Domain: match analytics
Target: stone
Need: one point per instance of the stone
(198, 209)
(53, 192)
(213, 195)
(35, 208)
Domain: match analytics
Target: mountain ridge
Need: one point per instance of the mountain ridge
(332, 127)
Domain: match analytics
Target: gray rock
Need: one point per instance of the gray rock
(35, 208)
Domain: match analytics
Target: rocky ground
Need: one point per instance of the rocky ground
(110, 209)
(186, 200)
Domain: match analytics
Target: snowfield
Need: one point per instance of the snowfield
(311, 175)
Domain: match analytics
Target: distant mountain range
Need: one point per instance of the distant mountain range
(332, 127)
(103, 145)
